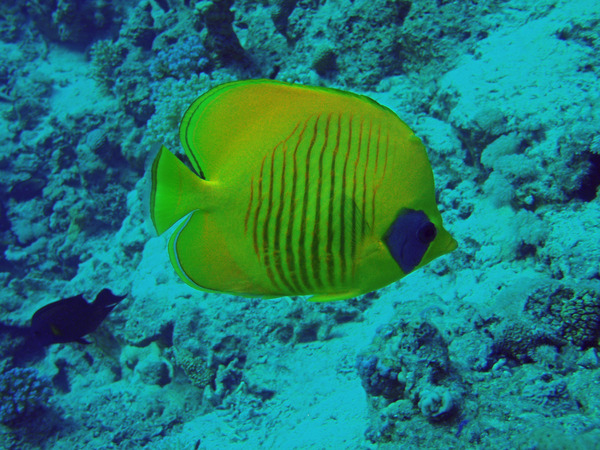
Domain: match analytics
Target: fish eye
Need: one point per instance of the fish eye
(427, 233)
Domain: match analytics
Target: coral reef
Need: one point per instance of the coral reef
(409, 361)
(213, 362)
(525, 149)
(70, 21)
(476, 351)
(217, 17)
(30, 100)
(23, 394)
(186, 56)
(519, 339)
(140, 28)
(572, 311)
(106, 56)
(148, 364)
(196, 368)
(376, 31)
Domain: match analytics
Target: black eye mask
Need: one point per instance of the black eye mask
(409, 237)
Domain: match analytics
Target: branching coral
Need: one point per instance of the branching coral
(185, 57)
(106, 57)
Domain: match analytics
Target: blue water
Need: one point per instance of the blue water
(494, 346)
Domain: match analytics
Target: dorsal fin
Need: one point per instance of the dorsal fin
(233, 122)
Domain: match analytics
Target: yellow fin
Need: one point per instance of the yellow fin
(321, 298)
(199, 253)
(176, 191)
(230, 125)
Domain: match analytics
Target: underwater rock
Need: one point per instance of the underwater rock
(308, 324)
(281, 13)
(409, 380)
(218, 19)
(378, 379)
(506, 144)
(14, 21)
(147, 364)
(30, 99)
(572, 248)
(28, 189)
(377, 31)
(590, 359)
(140, 27)
(409, 360)
(436, 403)
(549, 164)
(72, 21)
(4, 222)
(213, 360)
(27, 225)
(325, 62)
(23, 394)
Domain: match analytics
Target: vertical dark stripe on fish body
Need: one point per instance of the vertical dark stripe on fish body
(377, 154)
(380, 178)
(387, 151)
(323, 216)
(291, 224)
(364, 197)
(315, 256)
(330, 255)
(258, 207)
(353, 237)
(375, 185)
(249, 205)
(343, 221)
(276, 257)
(265, 226)
(284, 188)
(303, 256)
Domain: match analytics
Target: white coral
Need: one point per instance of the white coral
(435, 402)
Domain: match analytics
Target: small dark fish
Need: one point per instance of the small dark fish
(461, 425)
(69, 319)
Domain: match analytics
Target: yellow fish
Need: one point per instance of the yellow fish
(304, 191)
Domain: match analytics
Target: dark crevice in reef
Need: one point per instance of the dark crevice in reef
(590, 182)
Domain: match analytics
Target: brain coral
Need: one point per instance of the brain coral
(572, 310)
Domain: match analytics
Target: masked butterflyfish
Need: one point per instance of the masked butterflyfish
(303, 191)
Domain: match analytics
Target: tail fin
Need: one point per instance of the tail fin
(175, 190)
